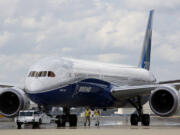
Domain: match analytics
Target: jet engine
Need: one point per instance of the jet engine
(164, 101)
(12, 100)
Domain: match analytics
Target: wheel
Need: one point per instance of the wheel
(73, 120)
(61, 124)
(18, 125)
(134, 119)
(35, 125)
(61, 120)
(145, 120)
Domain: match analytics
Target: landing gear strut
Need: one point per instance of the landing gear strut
(66, 117)
(139, 117)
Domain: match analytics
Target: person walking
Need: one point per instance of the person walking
(97, 116)
(87, 117)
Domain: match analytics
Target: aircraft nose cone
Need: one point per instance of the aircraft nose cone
(33, 86)
(61, 69)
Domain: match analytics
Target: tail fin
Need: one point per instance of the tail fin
(146, 50)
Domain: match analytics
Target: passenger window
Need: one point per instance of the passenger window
(44, 73)
(51, 74)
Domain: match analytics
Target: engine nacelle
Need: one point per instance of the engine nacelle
(164, 101)
(12, 100)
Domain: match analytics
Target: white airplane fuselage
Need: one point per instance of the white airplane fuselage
(81, 83)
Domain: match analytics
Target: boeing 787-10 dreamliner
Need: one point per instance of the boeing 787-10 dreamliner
(67, 83)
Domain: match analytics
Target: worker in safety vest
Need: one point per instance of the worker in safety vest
(97, 116)
(87, 117)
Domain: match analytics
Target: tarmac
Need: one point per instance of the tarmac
(125, 131)
(109, 126)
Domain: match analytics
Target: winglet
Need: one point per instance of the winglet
(146, 50)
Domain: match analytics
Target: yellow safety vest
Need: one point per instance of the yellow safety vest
(97, 112)
(88, 113)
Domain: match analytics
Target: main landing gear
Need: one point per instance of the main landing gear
(139, 117)
(66, 117)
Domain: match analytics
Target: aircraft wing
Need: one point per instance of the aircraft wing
(9, 85)
(125, 92)
(5, 86)
(175, 83)
(131, 91)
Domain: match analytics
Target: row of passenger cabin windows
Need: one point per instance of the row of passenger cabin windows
(41, 74)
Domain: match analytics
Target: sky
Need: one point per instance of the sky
(100, 30)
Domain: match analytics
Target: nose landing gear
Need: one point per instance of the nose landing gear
(139, 117)
(66, 117)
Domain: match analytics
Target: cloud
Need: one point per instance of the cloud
(153, 3)
(15, 67)
(110, 31)
(29, 22)
(120, 32)
(168, 47)
(8, 7)
(66, 49)
(10, 21)
(168, 53)
(112, 57)
(5, 37)
(57, 3)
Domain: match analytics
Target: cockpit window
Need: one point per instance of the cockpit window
(44, 73)
(36, 74)
(31, 74)
(41, 74)
(51, 74)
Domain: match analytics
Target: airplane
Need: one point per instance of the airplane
(67, 83)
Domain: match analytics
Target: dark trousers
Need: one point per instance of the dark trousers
(87, 119)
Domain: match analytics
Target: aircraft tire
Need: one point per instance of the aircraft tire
(19, 125)
(73, 120)
(145, 120)
(61, 121)
(35, 125)
(134, 119)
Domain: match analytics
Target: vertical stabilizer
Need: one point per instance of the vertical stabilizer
(146, 50)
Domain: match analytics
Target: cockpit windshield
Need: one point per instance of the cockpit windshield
(41, 74)
(51, 74)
